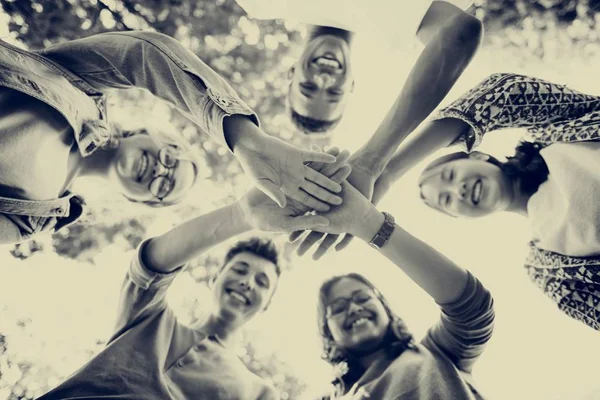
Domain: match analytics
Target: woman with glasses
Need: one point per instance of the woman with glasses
(53, 129)
(371, 345)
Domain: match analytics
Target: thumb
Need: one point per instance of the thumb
(308, 222)
(274, 193)
(317, 156)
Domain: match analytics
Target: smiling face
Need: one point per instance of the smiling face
(322, 79)
(355, 316)
(467, 187)
(142, 177)
(244, 287)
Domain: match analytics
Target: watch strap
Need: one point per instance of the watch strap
(384, 233)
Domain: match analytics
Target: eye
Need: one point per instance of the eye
(309, 86)
(451, 177)
(362, 297)
(338, 307)
(447, 200)
(263, 281)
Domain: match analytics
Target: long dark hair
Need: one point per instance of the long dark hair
(526, 166)
(398, 337)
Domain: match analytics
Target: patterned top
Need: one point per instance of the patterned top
(551, 113)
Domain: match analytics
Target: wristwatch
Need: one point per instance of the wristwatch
(384, 233)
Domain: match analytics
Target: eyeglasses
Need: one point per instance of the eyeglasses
(160, 186)
(341, 304)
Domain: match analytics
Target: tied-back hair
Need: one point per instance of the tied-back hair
(398, 338)
(526, 166)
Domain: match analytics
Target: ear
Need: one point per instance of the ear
(477, 155)
(291, 71)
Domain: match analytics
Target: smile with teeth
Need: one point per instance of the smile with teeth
(142, 166)
(359, 322)
(238, 297)
(325, 61)
(476, 192)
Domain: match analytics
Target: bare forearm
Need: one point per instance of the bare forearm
(181, 244)
(434, 136)
(437, 69)
(432, 271)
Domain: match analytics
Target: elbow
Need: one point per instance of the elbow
(465, 32)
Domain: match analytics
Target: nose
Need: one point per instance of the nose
(245, 285)
(324, 80)
(354, 308)
(159, 170)
(459, 190)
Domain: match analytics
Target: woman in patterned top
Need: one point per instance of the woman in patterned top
(551, 179)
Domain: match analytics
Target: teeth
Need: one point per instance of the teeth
(358, 322)
(326, 62)
(477, 192)
(238, 297)
(143, 166)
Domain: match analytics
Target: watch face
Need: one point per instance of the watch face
(378, 241)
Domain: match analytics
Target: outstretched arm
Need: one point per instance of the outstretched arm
(467, 318)
(171, 72)
(452, 37)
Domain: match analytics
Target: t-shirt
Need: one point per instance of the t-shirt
(393, 21)
(565, 212)
(151, 356)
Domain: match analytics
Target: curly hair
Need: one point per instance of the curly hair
(398, 338)
(526, 166)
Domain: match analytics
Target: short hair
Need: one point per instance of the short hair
(310, 125)
(260, 247)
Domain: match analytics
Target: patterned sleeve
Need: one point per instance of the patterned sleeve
(505, 100)
(573, 283)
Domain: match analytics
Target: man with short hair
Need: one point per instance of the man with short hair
(321, 79)
(152, 356)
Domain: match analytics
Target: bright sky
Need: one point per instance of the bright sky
(536, 352)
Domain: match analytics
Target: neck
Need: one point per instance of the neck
(316, 31)
(221, 327)
(98, 163)
(366, 360)
(518, 205)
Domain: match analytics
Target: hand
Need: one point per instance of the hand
(363, 179)
(356, 394)
(263, 213)
(356, 215)
(279, 169)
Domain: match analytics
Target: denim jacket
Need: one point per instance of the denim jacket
(551, 113)
(74, 77)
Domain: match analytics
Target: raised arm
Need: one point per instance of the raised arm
(160, 258)
(171, 72)
(467, 307)
(452, 37)
(500, 101)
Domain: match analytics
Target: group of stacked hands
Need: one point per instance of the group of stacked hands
(52, 104)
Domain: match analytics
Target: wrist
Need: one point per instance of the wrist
(240, 217)
(369, 161)
(240, 132)
(369, 224)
